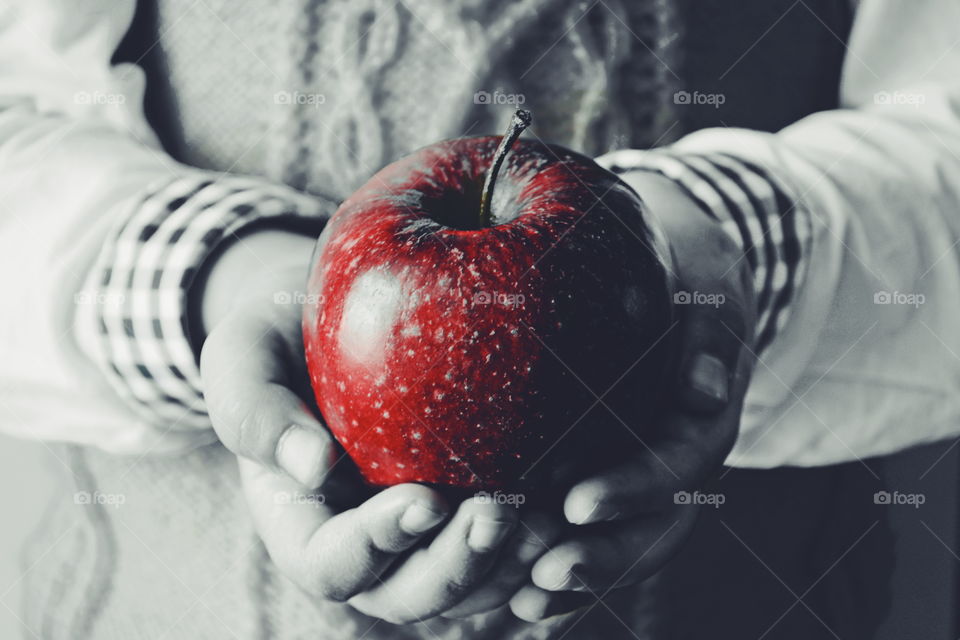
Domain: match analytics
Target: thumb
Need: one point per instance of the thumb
(712, 338)
(252, 405)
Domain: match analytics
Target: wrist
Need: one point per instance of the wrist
(692, 234)
(261, 262)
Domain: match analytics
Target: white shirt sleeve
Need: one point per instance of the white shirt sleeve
(868, 361)
(74, 149)
(104, 235)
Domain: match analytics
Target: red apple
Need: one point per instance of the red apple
(480, 338)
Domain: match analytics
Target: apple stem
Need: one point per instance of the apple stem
(520, 121)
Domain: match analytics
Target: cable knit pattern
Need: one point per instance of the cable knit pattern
(334, 89)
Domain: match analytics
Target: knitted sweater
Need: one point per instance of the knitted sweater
(318, 95)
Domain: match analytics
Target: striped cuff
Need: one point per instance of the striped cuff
(766, 221)
(136, 330)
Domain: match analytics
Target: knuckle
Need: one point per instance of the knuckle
(248, 432)
(475, 509)
(324, 584)
(458, 584)
(454, 585)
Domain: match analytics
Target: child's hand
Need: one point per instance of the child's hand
(628, 520)
(361, 554)
(341, 543)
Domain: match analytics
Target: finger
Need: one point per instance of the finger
(534, 604)
(610, 556)
(530, 540)
(332, 555)
(253, 410)
(692, 449)
(433, 579)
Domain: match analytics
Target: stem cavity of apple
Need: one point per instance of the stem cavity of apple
(520, 121)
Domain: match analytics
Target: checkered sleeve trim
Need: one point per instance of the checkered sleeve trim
(767, 222)
(137, 332)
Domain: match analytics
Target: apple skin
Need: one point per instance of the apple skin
(472, 358)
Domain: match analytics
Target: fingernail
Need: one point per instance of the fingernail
(302, 453)
(419, 518)
(567, 579)
(708, 375)
(486, 534)
(583, 512)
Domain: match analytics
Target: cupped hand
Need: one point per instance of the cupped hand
(631, 519)
(385, 553)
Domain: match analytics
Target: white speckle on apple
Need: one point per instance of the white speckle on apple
(410, 332)
(416, 435)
